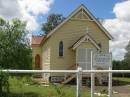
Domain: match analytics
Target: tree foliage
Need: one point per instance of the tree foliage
(52, 21)
(15, 50)
(123, 64)
(120, 65)
(127, 55)
(4, 84)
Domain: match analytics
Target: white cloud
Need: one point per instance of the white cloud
(27, 10)
(9, 9)
(121, 11)
(119, 27)
(36, 6)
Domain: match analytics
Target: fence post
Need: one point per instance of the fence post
(110, 80)
(110, 83)
(92, 76)
(79, 82)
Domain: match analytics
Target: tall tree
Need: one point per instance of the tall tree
(52, 21)
(116, 65)
(126, 60)
(127, 55)
(15, 50)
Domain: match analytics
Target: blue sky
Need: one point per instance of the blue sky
(102, 9)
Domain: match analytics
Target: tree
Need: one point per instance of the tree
(116, 65)
(120, 65)
(124, 64)
(52, 21)
(4, 84)
(127, 55)
(15, 49)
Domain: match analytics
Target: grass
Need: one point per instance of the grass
(20, 88)
(125, 79)
(118, 81)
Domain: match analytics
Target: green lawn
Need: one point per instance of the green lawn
(125, 79)
(18, 88)
(119, 81)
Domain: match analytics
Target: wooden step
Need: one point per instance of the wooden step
(69, 79)
(85, 81)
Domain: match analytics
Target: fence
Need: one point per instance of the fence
(79, 73)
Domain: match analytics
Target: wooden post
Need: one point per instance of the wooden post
(79, 82)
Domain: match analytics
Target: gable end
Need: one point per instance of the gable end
(82, 7)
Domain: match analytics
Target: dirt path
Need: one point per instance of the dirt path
(122, 91)
(121, 95)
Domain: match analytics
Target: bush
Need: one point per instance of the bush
(4, 84)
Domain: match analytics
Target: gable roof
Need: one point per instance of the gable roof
(83, 39)
(89, 13)
(36, 40)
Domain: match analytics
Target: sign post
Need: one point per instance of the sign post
(104, 60)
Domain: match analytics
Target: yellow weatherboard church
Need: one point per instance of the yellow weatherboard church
(57, 50)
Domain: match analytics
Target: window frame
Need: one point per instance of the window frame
(61, 49)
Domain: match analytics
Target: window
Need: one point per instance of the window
(37, 61)
(100, 45)
(61, 48)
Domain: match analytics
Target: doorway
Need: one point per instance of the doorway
(83, 58)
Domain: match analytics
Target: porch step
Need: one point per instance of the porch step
(85, 81)
(69, 79)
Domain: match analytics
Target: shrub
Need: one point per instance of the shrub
(4, 84)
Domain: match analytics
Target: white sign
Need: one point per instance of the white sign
(102, 59)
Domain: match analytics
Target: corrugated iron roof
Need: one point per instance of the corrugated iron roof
(36, 40)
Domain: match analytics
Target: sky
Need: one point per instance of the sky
(115, 13)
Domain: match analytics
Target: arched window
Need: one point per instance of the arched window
(61, 48)
(37, 61)
(100, 45)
